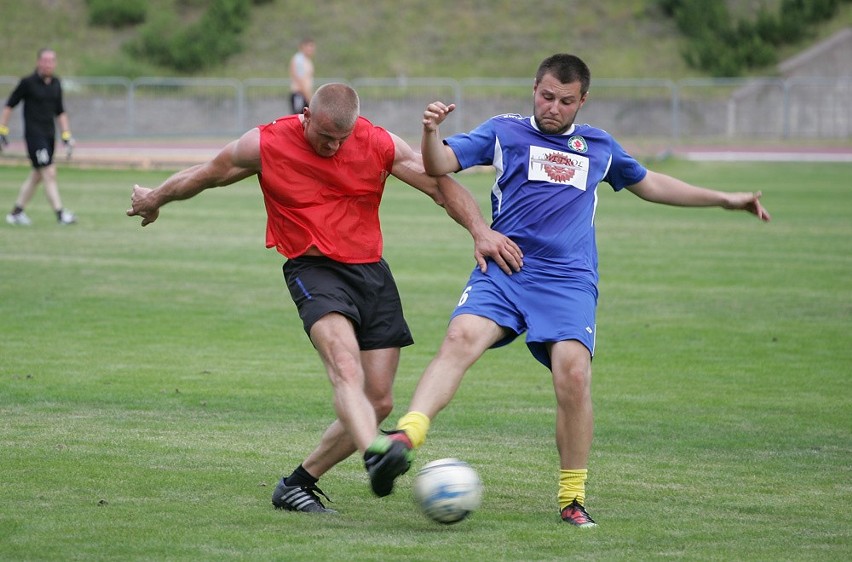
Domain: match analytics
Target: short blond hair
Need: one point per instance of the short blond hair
(339, 102)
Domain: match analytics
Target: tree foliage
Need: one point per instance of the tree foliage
(116, 13)
(213, 38)
(724, 46)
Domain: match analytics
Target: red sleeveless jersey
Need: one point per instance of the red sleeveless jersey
(331, 203)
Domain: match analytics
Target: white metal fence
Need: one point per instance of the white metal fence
(735, 110)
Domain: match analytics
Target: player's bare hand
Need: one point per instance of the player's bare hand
(143, 204)
(501, 249)
(749, 202)
(435, 113)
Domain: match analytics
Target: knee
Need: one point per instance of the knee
(344, 369)
(572, 381)
(459, 340)
(383, 408)
(381, 399)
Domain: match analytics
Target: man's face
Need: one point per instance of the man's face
(556, 104)
(322, 134)
(46, 63)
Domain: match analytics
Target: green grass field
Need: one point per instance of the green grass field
(155, 383)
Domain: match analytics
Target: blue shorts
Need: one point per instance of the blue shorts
(549, 306)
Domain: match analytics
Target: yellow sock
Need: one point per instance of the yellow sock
(415, 426)
(572, 485)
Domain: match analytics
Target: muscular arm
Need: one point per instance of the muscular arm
(661, 188)
(460, 205)
(238, 160)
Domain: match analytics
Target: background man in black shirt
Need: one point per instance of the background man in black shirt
(41, 93)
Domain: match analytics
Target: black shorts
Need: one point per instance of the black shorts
(40, 150)
(364, 293)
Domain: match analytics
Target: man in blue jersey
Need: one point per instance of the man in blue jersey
(544, 199)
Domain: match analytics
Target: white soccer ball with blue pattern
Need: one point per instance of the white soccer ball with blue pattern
(447, 490)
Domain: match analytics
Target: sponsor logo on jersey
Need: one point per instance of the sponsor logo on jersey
(555, 166)
(578, 144)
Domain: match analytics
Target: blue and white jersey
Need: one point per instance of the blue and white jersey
(545, 194)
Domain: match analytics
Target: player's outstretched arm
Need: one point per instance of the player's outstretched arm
(460, 205)
(438, 158)
(661, 188)
(487, 242)
(238, 160)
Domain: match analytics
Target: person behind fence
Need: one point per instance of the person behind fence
(322, 174)
(545, 198)
(41, 93)
(302, 75)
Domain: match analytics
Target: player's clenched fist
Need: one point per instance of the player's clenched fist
(435, 114)
(143, 204)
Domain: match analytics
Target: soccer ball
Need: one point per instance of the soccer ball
(447, 490)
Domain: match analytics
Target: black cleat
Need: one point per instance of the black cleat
(386, 458)
(299, 498)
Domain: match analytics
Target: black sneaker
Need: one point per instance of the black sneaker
(299, 498)
(576, 515)
(386, 458)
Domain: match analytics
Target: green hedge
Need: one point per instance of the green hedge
(116, 13)
(723, 46)
(205, 44)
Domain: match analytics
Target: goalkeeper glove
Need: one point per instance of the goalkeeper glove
(69, 144)
(4, 133)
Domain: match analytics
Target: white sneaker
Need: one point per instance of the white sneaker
(20, 219)
(66, 217)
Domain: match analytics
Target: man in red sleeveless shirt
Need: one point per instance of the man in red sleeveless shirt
(322, 174)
